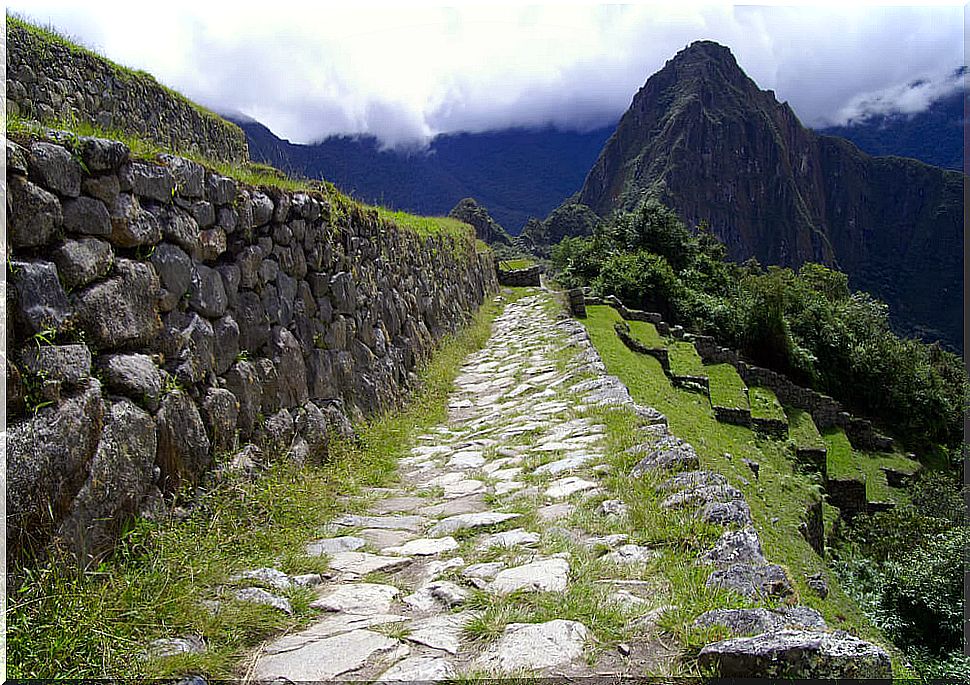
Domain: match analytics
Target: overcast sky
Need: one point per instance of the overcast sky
(407, 71)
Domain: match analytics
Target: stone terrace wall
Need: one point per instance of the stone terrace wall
(159, 315)
(48, 80)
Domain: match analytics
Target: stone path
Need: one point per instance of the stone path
(477, 564)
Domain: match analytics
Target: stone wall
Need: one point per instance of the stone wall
(520, 277)
(161, 315)
(51, 80)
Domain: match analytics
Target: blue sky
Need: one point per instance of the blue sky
(407, 71)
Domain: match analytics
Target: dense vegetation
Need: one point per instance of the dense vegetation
(905, 567)
(807, 324)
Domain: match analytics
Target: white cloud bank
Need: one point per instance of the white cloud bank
(405, 72)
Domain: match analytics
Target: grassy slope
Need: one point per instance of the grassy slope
(777, 499)
(647, 334)
(513, 264)
(684, 360)
(727, 388)
(844, 462)
(765, 404)
(802, 430)
(97, 625)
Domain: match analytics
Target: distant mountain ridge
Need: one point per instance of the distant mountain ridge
(934, 136)
(516, 174)
(701, 137)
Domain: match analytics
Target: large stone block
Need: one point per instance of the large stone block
(188, 175)
(54, 168)
(183, 453)
(41, 303)
(243, 381)
(174, 269)
(66, 364)
(152, 182)
(290, 368)
(87, 216)
(208, 295)
(226, 347)
(188, 342)
(254, 326)
(35, 216)
(132, 226)
(220, 413)
(81, 261)
(134, 376)
(121, 311)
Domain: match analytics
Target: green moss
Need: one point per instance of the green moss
(727, 388)
(684, 360)
(765, 404)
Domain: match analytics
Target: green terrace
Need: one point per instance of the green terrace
(845, 463)
(515, 264)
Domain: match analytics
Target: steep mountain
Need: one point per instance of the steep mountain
(516, 173)
(472, 213)
(703, 138)
(934, 136)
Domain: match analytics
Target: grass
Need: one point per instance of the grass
(765, 405)
(802, 430)
(646, 333)
(684, 360)
(842, 461)
(727, 388)
(513, 264)
(777, 499)
(96, 625)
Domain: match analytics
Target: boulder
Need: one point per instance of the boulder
(174, 269)
(226, 344)
(87, 216)
(208, 295)
(105, 188)
(55, 168)
(35, 215)
(152, 182)
(40, 301)
(752, 581)
(220, 413)
(243, 381)
(67, 364)
(668, 454)
(120, 311)
(798, 654)
(81, 261)
(187, 341)
(188, 175)
(290, 368)
(134, 376)
(183, 453)
(178, 226)
(132, 226)
(100, 155)
(120, 477)
(752, 621)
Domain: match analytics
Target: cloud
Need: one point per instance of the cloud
(407, 72)
(905, 99)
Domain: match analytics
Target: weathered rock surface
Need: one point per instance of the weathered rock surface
(533, 647)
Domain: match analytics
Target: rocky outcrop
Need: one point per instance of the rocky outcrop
(486, 229)
(706, 141)
(50, 80)
(160, 315)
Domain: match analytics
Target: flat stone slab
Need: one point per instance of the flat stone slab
(510, 538)
(397, 505)
(630, 554)
(432, 570)
(471, 504)
(423, 547)
(440, 632)
(471, 459)
(412, 524)
(330, 546)
(565, 464)
(504, 487)
(379, 538)
(751, 621)
(325, 658)
(482, 519)
(463, 488)
(545, 575)
(437, 595)
(797, 654)
(536, 646)
(362, 563)
(564, 487)
(358, 598)
(271, 576)
(419, 669)
(331, 625)
(255, 595)
(554, 512)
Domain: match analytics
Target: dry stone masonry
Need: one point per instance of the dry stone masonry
(50, 80)
(522, 434)
(161, 315)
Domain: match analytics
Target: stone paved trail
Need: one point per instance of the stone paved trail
(478, 564)
(516, 448)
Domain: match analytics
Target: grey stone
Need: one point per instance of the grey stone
(132, 375)
(220, 190)
(174, 269)
(701, 495)
(693, 479)
(630, 554)
(344, 292)
(333, 624)
(510, 538)
(268, 576)
(226, 343)
(483, 571)
(55, 168)
(529, 647)
(564, 487)
(262, 209)
(254, 327)
(276, 434)
(733, 513)
(330, 546)
(16, 158)
(544, 575)
(187, 341)
(67, 364)
(87, 216)
(554, 512)
(439, 632)
(220, 412)
(452, 524)
(212, 243)
(669, 454)
(81, 261)
(208, 296)
(290, 368)
(418, 669)
(752, 621)
(360, 599)
(227, 219)
(152, 182)
(183, 446)
(243, 381)
(409, 523)
(612, 507)
(735, 546)
(436, 596)
(255, 595)
(323, 659)
(105, 188)
(356, 564)
(165, 647)
(797, 654)
(423, 547)
(47, 460)
(35, 215)
(767, 580)
(40, 300)
(203, 212)
(188, 175)
(99, 154)
(178, 226)
(132, 226)
(818, 584)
